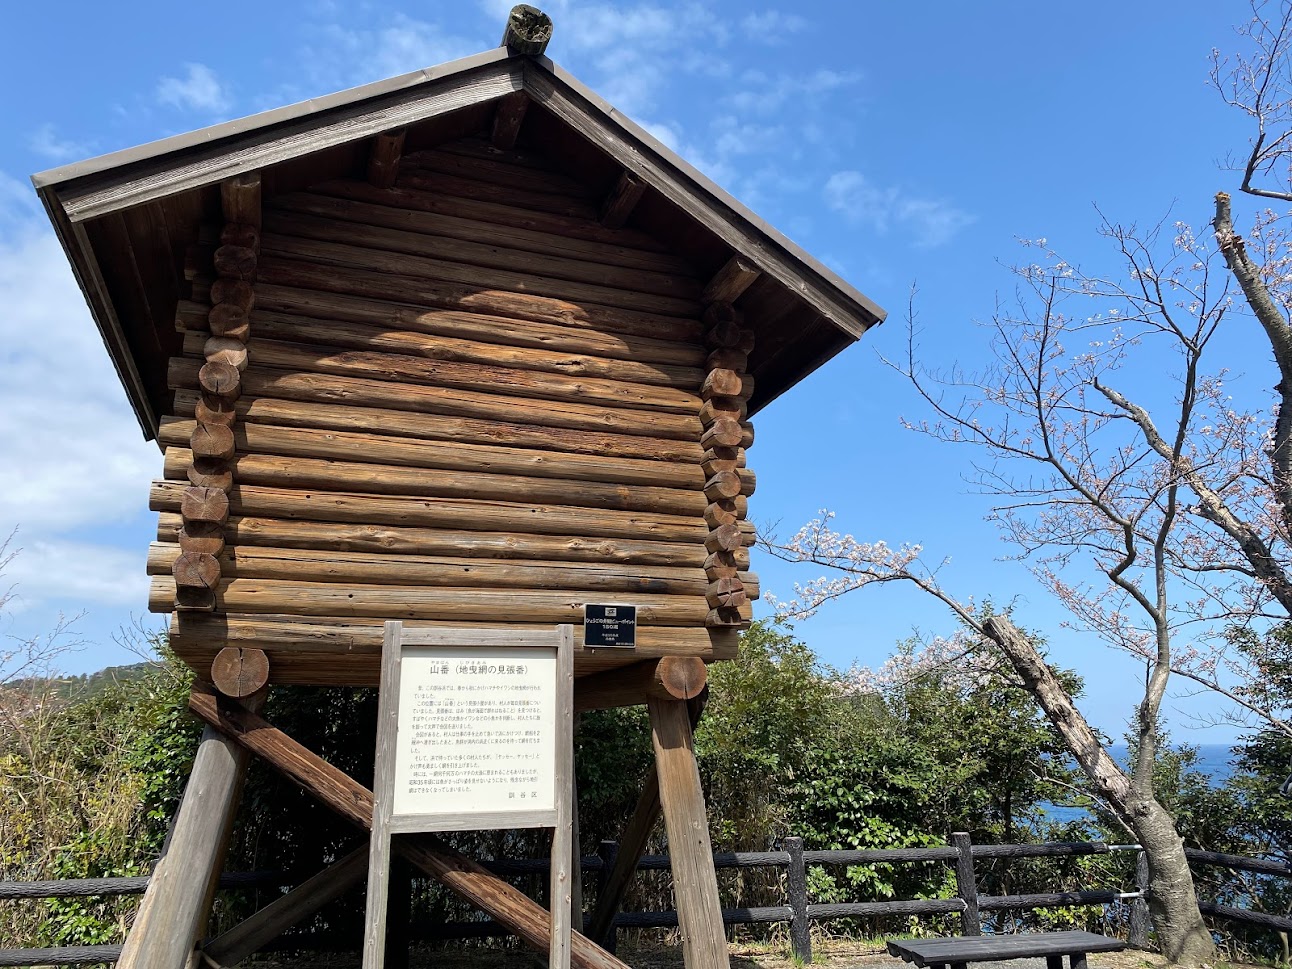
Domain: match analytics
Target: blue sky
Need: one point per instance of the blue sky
(901, 143)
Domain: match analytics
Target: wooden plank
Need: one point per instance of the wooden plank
(444, 401)
(249, 936)
(383, 785)
(267, 411)
(524, 229)
(507, 119)
(337, 276)
(461, 514)
(499, 172)
(481, 327)
(669, 678)
(384, 157)
(354, 803)
(253, 596)
(336, 651)
(565, 843)
(258, 439)
(250, 531)
(320, 242)
(482, 189)
(404, 369)
(173, 912)
(324, 332)
(331, 564)
(695, 881)
(152, 179)
(401, 230)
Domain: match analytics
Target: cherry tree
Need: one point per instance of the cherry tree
(1159, 518)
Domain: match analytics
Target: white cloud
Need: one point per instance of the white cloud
(771, 26)
(761, 93)
(45, 142)
(77, 573)
(72, 458)
(198, 90)
(338, 56)
(929, 222)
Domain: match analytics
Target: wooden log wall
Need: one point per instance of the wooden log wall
(460, 390)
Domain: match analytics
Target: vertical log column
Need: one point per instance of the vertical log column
(727, 433)
(206, 501)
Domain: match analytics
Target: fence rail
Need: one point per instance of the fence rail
(797, 911)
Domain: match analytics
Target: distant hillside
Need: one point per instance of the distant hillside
(89, 685)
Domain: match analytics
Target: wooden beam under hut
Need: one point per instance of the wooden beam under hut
(354, 802)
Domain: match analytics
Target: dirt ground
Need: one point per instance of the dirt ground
(831, 953)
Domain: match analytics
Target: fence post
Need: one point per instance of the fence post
(966, 884)
(608, 852)
(796, 885)
(1139, 907)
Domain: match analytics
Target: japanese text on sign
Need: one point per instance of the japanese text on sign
(475, 734)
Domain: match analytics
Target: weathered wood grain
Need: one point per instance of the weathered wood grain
(330, 389)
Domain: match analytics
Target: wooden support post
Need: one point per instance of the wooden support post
(354, 802)
(507, 119)
(695, 881)
(383, 161)
(576, 853)
(613, 884)
(796, 885)
(247, 937)
(564, 843)
(175, 907)
(966, 884)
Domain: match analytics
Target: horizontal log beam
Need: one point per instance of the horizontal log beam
(673, 677)
(332, 565)
(183, 374)
(276, 596)
(330, 651)
(259, 439)
(364, 536)
(433, 427)
(731, 281)
(622, 199)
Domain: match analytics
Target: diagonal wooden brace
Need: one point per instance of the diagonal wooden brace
(354, 802)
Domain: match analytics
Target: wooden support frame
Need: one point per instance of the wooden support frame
(731, 281)
(175, 907)
(632, 845)
(354, 802)
(672, 677)
(436, 648)
(695, 880)
(247, 937)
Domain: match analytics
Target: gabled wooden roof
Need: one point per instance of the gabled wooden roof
(125, 219)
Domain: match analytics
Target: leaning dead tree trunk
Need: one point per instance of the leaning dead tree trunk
(1172, 901)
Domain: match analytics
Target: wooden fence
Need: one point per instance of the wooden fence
(797, 911)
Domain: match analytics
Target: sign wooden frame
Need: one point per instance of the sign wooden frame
(559, 640)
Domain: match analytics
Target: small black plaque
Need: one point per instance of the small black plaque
(609, 625)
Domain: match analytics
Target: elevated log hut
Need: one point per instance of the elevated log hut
(460, 347)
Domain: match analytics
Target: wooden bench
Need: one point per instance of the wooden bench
(957, 951)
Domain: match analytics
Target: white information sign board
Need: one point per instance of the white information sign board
(476, 736)
(474, 732)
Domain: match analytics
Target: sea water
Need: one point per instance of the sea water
(1214, 760)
